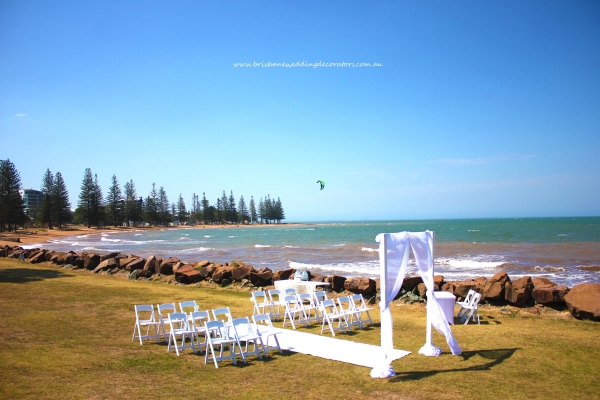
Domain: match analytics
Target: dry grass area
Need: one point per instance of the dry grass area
(67, 334)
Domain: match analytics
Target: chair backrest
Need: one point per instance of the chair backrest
(345, 303)
(198, 318)
(215, 329)
(262, 319)
(260, 298)
(178, 321)
(242, 327)
(320, 296)
(469, 296)
(144, 313)
(329, 307)
(222, 312)
(291, 292)
(358, 300)
(475, 299)
(290, 301)
(188, 306)
(306, 297)
(275, 295)
(165, 309)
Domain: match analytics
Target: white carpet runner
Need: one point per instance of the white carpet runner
(362, 354)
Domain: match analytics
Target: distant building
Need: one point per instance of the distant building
(32, 199)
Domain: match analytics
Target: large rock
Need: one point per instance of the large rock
(242, 272)
(550, 294)
(495, 287)
(149, 267)
(411, 282)
(106, 264)
(542, 282)
(283, 274)
(336, 283)
(135, 264)
(166, 267)
(360, 285)
(461, 288)
(222, 272)
(518, 292)
(208, 271)
(187, 274)
(38, 257)
(261, 278)
(583, 301)
(109, 255)
(91, 261)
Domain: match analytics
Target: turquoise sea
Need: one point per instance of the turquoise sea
(565, 250)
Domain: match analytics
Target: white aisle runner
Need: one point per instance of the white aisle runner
(362, 354)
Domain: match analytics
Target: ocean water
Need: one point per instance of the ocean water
(565, 250)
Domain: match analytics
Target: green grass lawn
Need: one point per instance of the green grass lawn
(67, 334)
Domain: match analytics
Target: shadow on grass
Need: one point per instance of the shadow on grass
(497, 356)
(25, 275)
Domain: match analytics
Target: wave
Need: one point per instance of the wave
(192, 250)
(138, 234)
(370, 250)
(262, 245)
(206, 236)
(362, 268)
(468, 263)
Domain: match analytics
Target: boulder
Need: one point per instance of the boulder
(360, 285)
(166, 267)
(180, 264)
(137, 263)
(106, 264)
(157, 264)
(411, 282)
(133, 275)
(49, 255)
(283, 274)
(109, 255)
(542, 282)
(202, 264)
(495, 287)
(91, 261)
(38, 257)
(461, 288)
(549, 294)
(316, 278)
(149, 267)
(422, 290)
(208, 271)
(261, 278)
(518, 292)
(336, 283)
(123, 262)
(222, 272)
(242, 272)
(583, 301)
(187, 274)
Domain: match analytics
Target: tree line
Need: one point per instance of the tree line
(123, 206)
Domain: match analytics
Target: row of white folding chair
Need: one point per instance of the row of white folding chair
(303, 305)
(275, 301)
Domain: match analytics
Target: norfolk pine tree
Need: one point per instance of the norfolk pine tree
(114, 203)
(47, 190)
(61, 206)
(12, 208)
(87, 196)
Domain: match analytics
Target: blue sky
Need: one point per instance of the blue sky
(479, 109)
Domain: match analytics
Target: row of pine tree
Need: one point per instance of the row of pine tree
(123, 207)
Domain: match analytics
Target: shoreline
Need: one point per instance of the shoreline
(44, 235)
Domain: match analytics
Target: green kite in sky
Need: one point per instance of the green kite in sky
(322, 183)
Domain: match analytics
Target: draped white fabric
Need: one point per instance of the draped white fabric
(394, 249)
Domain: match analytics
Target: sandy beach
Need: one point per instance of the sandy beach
(33, 235)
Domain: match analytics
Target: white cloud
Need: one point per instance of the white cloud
(20, 115)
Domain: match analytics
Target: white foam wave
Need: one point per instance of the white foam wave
(473, 230)
(103, 239)
(261, 245)
(193, 250)
(292, 247)
(363, 268)
(468, 263)
(206, 236)
(339, 245)
(81, 236)
(370, 250)
(138, 234)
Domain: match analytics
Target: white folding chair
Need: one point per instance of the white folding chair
(311, 311)
(222, 314)
(330, 314)
(188, 306)
(361, 308)
(276, 301)
(293, 309)
(145, 318)
(471, 309)
(197, 320)
(262, 304)
(179, 326)
(465, 302)
(320, 297)
(244, 332)
(163, 316)
(347, 308)
(264, 327)
(218, 336)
